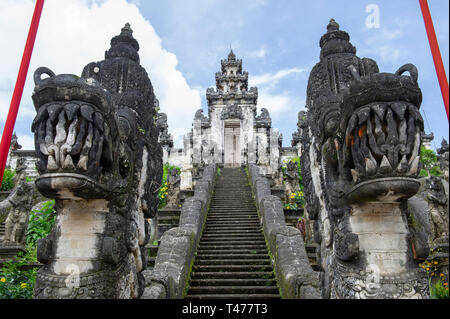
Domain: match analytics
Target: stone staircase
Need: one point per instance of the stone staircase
(2, 229)
(232, 259)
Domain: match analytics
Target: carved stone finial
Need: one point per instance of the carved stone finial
(231, 56)
(335, 41)
(332, 26)
(14, 143)
(124, 45)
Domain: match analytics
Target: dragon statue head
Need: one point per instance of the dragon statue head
(99, 158)
(361, 138)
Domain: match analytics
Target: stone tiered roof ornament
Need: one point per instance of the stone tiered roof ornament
(231, 85)
(335, 41)
(124, 45)
(231, 56)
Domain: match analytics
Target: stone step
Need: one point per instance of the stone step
(226, 239)
(230, 229)
(234, 282)
(209, 242)
(233, 275)
(232, 259)
(199, 261)
(224, 268)
(228, 246)
(228, 225)
(233, 215)
(230, 209)
(236, 251)
(222, 256)
(236, 236)
(254, 222)
(233, 290)
(233, 219)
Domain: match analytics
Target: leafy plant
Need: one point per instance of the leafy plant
(163, 190)
(298, 199)
(8, 180)
(41, 222)
(430, 163)
(16, 283)
(439, 290)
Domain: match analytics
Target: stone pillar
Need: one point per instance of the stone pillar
(274, 151)
(197, 139)
(263, 156)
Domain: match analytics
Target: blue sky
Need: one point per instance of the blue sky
(182, 43)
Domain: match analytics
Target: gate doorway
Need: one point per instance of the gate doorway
(232, 145)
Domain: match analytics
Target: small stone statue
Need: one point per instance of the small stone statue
(443, 158)
(174, 180)
(14, 143)
(438, 206)
(291, 182)
(21, 167)
(16, 209)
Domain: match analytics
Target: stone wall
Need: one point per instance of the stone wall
(30, 160)
(296, 278)
(175, 256)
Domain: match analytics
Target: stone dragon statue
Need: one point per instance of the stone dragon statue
(99, 158)
(361, 138)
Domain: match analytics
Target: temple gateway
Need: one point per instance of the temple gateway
(232, 134)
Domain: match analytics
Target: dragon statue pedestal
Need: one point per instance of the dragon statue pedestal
(360, 141)
(99, 158)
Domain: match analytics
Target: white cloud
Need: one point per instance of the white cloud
(384, 44)
(73, 33)
(272, 79)
(278, 102)
(261, 53)
(26, 141)
(258, 3)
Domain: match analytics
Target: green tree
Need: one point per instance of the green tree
(430, 163)
(8, 180)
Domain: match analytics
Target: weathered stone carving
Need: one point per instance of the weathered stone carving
(99, 157)
(291, 181)
(264, 119)
(232, 111)
(360, 161)
(14, 143)
(20, 170)
(204, 120)
(174, 180)
(165, 139)
(443, 158)
(435, 193)
(15, 211)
